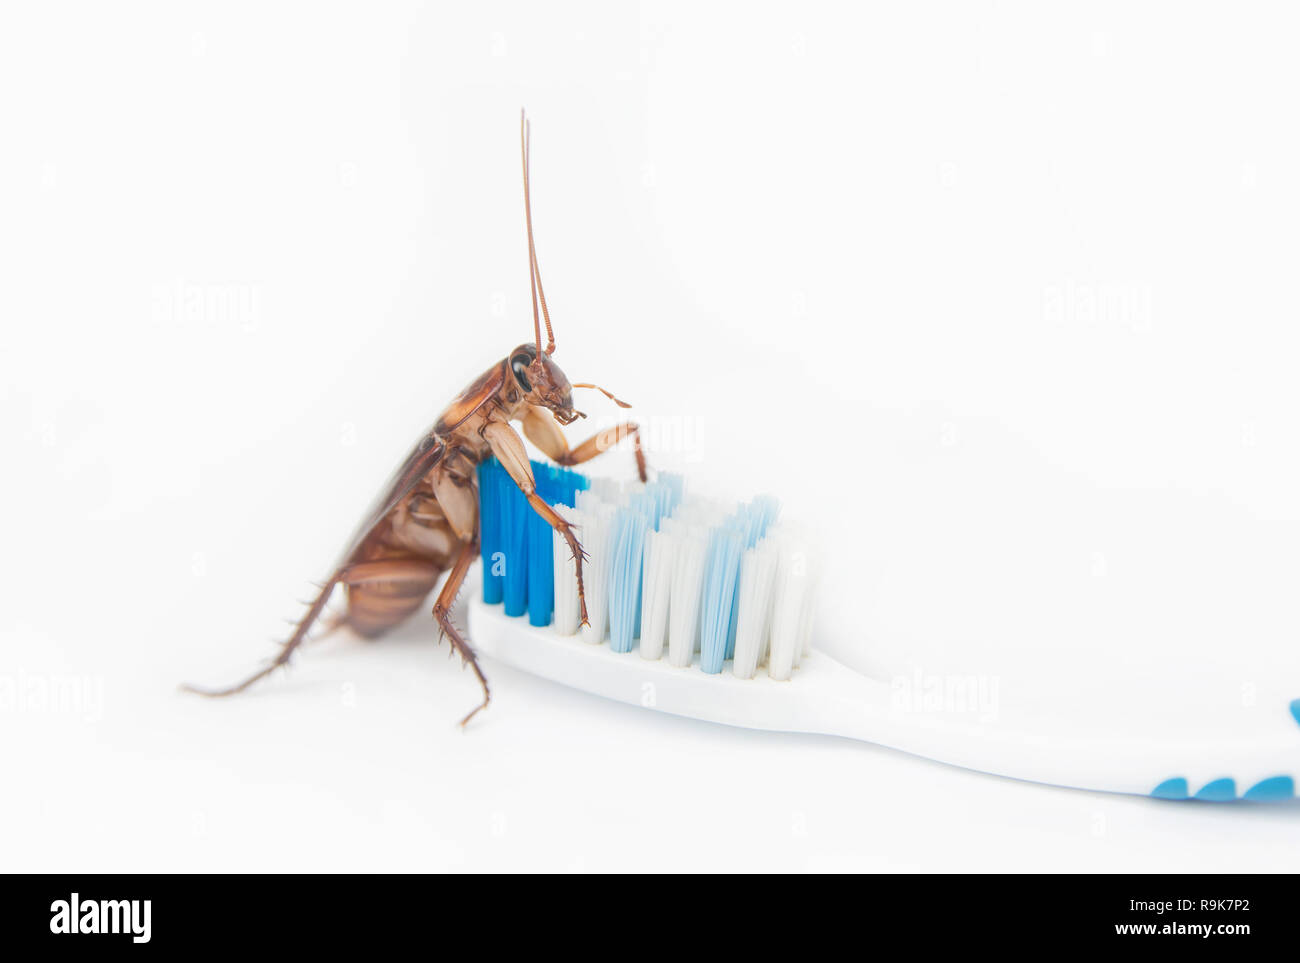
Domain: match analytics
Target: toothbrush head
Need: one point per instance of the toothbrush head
(693, 580)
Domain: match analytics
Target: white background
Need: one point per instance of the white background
(1000, 299)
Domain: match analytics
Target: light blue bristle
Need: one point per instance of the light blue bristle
(676, 487)
(756, 517)
(734, 618)
(772, 510)
(722, 569)
(627, 553)
(663, 494)
(750, 522)
(745, 525)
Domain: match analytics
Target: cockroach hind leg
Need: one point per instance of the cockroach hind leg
(281, 658)
(487, 697)
(338, 621)
(275, 663)
(446, 628)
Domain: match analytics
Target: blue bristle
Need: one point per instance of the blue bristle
(490, 474)
(515, 512)
(721, 572)
(541, 571)
(556, 486)
(518, 567)
(627, 553)
(541, 565)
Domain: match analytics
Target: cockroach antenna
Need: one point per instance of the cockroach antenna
(528, 221)
(534, 272)
(583, 384)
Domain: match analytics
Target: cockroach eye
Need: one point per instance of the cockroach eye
(519, 365)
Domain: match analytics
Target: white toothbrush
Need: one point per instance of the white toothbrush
(824, 696)
(1256, 758)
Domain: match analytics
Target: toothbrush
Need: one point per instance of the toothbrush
(704, 610)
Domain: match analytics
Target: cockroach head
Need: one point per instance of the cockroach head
(543, 383)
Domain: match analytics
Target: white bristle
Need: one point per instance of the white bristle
(773, 601)
(566, 582)
(795, 544)
(790, 595)
(589, 499)
(690, 549)
(701, 512)
(656, 585)
(609, 491)
(595, 530)
(757, 573)
(605, 490)
(809, 606)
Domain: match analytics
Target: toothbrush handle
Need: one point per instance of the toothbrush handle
(849, 704)
(827, 697)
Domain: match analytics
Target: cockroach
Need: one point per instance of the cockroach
(426, 520)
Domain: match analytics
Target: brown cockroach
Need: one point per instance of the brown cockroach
(426, 520)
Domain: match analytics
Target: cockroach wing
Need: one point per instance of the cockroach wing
(426, 454)
(471, 399)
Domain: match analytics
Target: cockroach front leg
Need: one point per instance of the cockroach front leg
(442, 614)
(543, 432)
(510, 451)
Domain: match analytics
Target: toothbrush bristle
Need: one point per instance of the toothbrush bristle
(626, 557)
(718, 602)
(668, 574)
(565, 582)
(515, 542)
(757, 577)
(684, 604)
(656, 586)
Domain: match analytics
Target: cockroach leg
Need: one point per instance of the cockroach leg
(543, 432)
(442, 614)
(337, 621)
(286, 650)
(566, 532)
(386, 570)
(602, 441)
